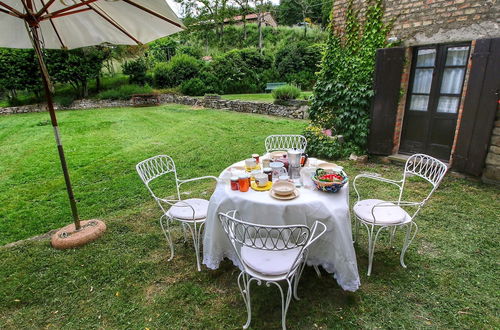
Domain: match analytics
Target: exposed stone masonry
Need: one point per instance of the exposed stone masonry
(492, 171)
(420, 22)
(298, 111)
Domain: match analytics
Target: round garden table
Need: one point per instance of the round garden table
(334, 251)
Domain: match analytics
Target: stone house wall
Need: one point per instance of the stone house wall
(492, 170)
(421, 22)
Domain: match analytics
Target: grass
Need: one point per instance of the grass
(260, 97)
(124, 281)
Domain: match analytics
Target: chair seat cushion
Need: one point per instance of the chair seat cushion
(389, 214)
(269, 262)
(180, 211)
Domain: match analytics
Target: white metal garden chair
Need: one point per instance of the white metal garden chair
(191, 213)
(269, 253)
(382, 214)
(285, 142)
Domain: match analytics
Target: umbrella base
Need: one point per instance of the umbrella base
(67, 237)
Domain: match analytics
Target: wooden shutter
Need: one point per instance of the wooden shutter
(388, 71)
(480, 106)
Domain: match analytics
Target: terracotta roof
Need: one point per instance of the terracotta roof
(249, 16)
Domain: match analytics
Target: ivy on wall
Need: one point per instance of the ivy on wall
(343, 92)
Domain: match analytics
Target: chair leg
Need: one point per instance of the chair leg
(185, 232)
(166, 232)
(391, 236)
(407, 242)
(244, 285)
(318, 272)
(196, 234)
(372, 240)
(285, 301)
(356, 229)
(296, 279)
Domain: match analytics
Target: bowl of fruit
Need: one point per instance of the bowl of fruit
(329, 180)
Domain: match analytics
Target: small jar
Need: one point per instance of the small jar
(234, 183)
(244, 182)
(269, 172)
(256, 157)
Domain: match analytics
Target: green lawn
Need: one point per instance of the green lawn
(261, 97)
(124, 281)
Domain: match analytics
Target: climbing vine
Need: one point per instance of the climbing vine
(343, 92)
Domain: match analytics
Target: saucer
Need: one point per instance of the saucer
(267, 187)
(293, 195)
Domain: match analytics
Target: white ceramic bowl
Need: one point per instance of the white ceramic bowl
(283, 188)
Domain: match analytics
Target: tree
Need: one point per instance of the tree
(18, 71)
(208, 12)
(244, 10)
(76, 67)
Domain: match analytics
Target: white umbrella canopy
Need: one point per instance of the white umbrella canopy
(67, 24)
(73, 24)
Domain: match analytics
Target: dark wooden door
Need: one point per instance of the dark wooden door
(434, 95)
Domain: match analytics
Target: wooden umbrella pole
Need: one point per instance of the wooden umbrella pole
(50, 105)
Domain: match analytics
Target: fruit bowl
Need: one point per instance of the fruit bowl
(329, 180)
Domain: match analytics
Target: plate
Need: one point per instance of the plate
(267, 187)
(295, 194)
(330, 166)
(277, 154)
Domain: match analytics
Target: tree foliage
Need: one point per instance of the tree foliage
(76, 66)
(239, 70)
(343, 92)
(18, 71)
(299, 62)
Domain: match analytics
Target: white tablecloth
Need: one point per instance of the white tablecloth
(334, 251)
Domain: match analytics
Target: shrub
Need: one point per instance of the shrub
(163, 49)
(343, 92)
(193, 87)
(297, 62)
(285, 93)
(303, 79)
(124, 92)
(323, 146)
(238, 70)
(192, 51)
(136, 70)
(179, 69)
(64, 101)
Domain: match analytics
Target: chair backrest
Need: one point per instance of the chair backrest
(264, 237)
(285, 142)
(428, 168)
(154, 167)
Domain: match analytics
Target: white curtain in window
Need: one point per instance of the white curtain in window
(448, 104)
(419, 102)
(426, 57)
(422, 81)
(457, 56)
(452, 80)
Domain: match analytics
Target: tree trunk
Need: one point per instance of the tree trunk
(98, 83)
(260, 30)
(244, 26)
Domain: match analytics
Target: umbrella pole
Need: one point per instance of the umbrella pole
(53, 119)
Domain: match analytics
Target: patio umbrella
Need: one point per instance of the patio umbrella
(67, 24)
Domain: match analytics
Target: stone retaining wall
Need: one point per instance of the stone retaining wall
(492, 171)
(298, 111)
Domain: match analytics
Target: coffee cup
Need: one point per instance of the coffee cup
(250, 163)
(261, 179)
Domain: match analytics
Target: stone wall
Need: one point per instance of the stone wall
(492, 171)
(297, 111)
(420, 22)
